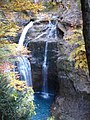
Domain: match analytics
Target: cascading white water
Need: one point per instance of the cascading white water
(23, 35)
(23, 65)
(45, 74)
(52, 30)
(50, 34)
(24, 69)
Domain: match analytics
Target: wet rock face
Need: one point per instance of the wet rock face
(73, 101)
(37, 54)
(66, 69)
(37, 58)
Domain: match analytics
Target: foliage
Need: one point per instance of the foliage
(16, 99)
(7, 103)
(79, 53)
(22, 5)
(8, 29)
(14, 105)
(8, 54)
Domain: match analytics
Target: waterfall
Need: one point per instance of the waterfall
(51, 34)
(24, 69)
(23, 35)
(23, 65)
(45, 74)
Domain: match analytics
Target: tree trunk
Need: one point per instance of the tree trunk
(85, 5)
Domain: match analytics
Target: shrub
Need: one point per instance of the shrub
(14, 104)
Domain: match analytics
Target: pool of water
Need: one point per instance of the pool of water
(43, 104)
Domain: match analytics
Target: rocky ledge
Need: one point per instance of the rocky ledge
(73, 100)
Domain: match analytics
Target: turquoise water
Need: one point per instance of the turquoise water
(42, 107)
